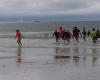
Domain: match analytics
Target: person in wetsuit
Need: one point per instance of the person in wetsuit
(98, 34)
(76, 33)
(84, 34)
(88, 33)
(67, 36)
(56, 34)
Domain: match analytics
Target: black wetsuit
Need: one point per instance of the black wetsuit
(56, 34)
(67, 35)
(76, 34)
(88, 33)
(84, 35)
(98, 34)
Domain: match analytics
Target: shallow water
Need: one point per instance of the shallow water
(43, 59)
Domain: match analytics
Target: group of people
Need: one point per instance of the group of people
(66, 35)
(60, 33)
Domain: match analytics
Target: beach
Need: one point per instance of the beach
(50, 40)
(41, 59)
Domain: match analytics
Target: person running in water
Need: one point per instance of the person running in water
(88, 33)
(93, 34)
(76, 33)
(61, 32)
(84, 34)
(67, 35)
(98, 34)
(56, 34)
(19, 37)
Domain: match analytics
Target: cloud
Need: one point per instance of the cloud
(49, 7)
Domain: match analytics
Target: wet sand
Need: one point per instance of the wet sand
(41, 59)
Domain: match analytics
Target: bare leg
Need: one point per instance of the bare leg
(19, 42)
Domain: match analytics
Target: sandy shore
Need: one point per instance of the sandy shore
(41, 59)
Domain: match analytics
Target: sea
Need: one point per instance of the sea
(42, 29)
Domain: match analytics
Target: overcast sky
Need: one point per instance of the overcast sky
(79, 8)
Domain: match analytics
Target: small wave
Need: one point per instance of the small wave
(38, 35)
(8, 57)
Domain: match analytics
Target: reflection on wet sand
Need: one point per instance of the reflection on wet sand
(94, 56)
(19, 55)
(76, 55)
(84, 54)
(65, 54)
(62, 54)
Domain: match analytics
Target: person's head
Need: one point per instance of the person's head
(75, 28)
(17, 30)
(60, 27)
(83, 28)
(93, 29)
